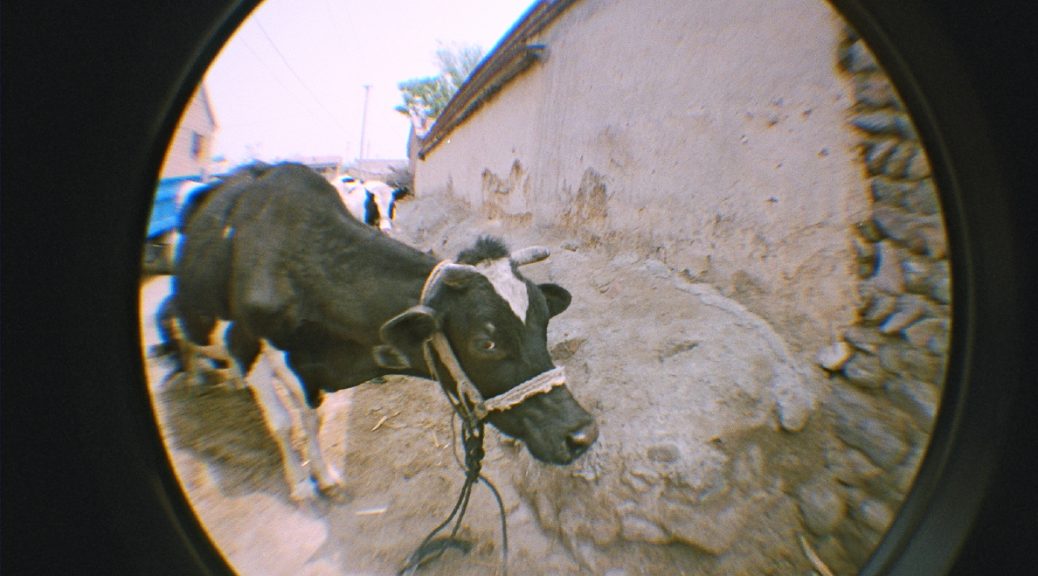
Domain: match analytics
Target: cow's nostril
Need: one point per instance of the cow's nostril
(582, 439)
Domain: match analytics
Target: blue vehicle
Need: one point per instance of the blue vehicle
(160, 240)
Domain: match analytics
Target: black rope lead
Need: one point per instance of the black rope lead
(472, 435)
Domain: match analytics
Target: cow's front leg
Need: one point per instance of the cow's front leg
(279, 422)
(327, 478)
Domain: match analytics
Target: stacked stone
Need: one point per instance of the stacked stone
(888, 369)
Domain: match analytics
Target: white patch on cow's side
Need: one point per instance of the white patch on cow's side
(507, 285)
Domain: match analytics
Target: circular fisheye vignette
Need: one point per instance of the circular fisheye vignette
(911, 158)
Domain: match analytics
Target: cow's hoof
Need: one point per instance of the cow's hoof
(234, 383)
(303, 492)
(160, 350)
(333, 486)
(205, 379)
(337, 493)
(175, 380)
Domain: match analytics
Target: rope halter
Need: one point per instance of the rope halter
(438, 346)
(473, 409)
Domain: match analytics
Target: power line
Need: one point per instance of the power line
(335, 29)
(268, 70)
(297, 76)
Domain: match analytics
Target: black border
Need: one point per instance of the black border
(90, 91)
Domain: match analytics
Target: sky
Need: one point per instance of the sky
(290, 83)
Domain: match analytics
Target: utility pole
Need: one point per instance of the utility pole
(364, 121)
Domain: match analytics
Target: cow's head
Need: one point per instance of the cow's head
(384, 197)
(496, 322)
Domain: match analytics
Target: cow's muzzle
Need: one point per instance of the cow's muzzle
(554, 426)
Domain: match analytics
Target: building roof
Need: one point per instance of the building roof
(510, 57)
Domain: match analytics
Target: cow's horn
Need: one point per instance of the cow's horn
(530, 255)
(456, 275)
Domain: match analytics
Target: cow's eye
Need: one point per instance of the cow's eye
(486, 347)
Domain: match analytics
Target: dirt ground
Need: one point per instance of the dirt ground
(691, 474)
(392, 441)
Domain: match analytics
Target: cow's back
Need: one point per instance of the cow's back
(262, 232)
(294, 240)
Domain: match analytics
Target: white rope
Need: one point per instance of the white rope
(539, 384)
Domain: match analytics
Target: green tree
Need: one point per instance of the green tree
(426, 97)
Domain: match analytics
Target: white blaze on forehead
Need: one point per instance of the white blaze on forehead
(507, 285)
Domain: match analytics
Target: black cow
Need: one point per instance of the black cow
(331, 303)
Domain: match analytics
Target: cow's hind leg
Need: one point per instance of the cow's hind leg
(327, 478)
(279, 421)
(167, 324)
(217, 353)
(190, 360)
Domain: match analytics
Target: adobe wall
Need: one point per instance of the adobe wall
(748, 224)
(701, 134)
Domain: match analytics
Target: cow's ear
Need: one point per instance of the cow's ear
(404, 332)
(558, 298)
